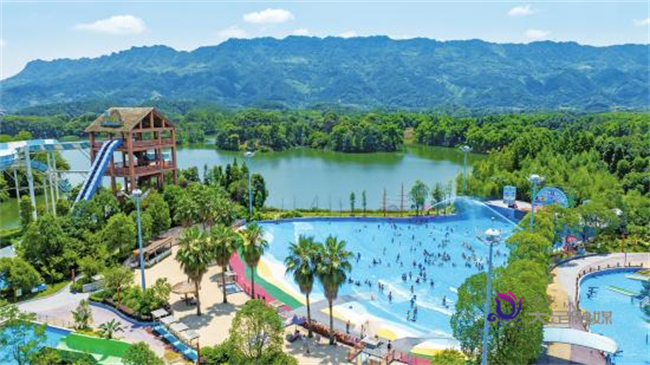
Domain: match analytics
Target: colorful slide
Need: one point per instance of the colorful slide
(98, 169)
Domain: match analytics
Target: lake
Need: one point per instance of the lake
(305, 178)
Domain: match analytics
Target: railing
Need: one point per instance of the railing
(163, 142)
(121, 170)
(54, 321)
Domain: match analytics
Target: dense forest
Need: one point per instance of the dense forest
(360, 72)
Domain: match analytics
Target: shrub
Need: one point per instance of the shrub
(139, 354)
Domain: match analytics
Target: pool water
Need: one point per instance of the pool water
(629, 326)
(382, 241)
(53, 336)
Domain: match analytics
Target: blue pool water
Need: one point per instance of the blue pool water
(629, 326)
(381, 240)
(52, 338)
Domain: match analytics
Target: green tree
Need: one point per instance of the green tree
(353, 198)
(253, 249)
(186, 210)
(140, 353)
(117, 279)
(108, 329)
(62, 207)
(17, 273)
(156, 206)
(256, 330)
(47, 247)
(364, 202)
(418, 195)
(437, 196)
(83, 315)
(25, 337)
(119, 234)
(46, 356)
(224, 242)
(525, 245)
(332, 270)
(194, 256)
(26, 211)
(301, 262)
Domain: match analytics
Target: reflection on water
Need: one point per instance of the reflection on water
(305, 178)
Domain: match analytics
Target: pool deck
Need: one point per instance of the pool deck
(564, 289)
(214, 324)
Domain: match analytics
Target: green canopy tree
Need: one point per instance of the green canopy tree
(418, 195)
(17, 273)
(256, 330)
(194, 256)
(120, 234)
(332, 270)
(23, 340)
(301, 262)
(156, 206)
(253, 249)
(47, 247)
(26, 212)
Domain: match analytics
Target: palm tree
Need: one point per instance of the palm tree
(194, 256)
(301, 261)
(254, 247)
(108, 329)
(332, 269)
(224, 242)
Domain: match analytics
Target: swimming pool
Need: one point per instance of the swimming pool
(53, 336)
(376, 245)
(629, 327)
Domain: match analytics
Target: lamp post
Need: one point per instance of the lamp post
(249, 157)
(137, 195)
(534, 179)
(492, 237)
(465, 150)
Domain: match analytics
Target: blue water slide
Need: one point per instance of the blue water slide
(98, 169)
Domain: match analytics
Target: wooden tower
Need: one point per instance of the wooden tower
(148, 147)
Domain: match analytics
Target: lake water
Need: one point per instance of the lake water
(305, 178)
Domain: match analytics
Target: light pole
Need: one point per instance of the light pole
(491, 238)
(465, 150)
(137, 195)
(534, 179)
(249, 157)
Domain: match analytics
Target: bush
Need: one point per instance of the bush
(139, 354)
(289, 214)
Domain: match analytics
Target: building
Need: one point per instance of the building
(147, 151)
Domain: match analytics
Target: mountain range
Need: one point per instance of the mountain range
(361, 72)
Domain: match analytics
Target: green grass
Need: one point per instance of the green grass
(51, 289)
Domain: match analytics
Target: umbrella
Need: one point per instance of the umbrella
(184, 287)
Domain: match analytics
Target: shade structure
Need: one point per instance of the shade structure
(178, 327)
(431, 347)
(189, 335)
(184, 287)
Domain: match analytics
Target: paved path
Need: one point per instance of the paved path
(56, 309)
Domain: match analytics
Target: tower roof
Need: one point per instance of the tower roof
(118, 119)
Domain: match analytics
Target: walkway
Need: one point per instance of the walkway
(57, 310)
(563, 291)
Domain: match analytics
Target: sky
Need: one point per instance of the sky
(73, 29)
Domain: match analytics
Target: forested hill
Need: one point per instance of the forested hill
(365, 72)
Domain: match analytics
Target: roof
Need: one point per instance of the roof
(153, 246)
(119, 119)
(581, 338)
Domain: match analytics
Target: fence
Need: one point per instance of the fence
(54, 321)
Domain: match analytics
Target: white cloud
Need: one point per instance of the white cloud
(642, 22)
(349, 34)
(233, 31)
(522, 11)
(301, 31)
(268, 16)
(119, 24)
(536, 34)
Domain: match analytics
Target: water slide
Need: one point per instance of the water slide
(98, 169)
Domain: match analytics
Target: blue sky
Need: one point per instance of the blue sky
(49, 30)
